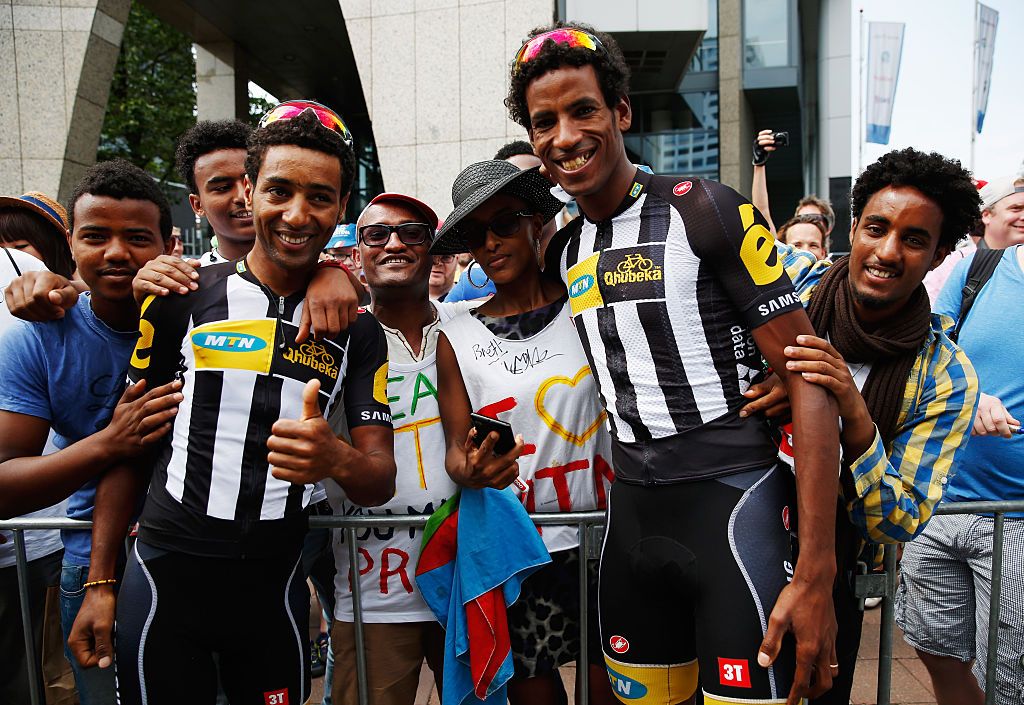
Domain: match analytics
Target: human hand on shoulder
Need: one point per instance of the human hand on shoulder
(332, 303)
(40, 296)
(164, 274)
(768, 396)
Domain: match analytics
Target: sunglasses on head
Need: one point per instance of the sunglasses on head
(505, 225)
(563, 35)
(378, 234)
(293, 108)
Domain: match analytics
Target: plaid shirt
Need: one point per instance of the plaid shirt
(898, 487)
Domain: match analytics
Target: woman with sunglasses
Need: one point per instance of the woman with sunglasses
(517, 358)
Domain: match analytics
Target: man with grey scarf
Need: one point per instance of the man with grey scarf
(907, 394)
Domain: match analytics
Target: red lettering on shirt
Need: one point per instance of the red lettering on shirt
(602, 472)
(386, 571)
(499, 407)
(557, 474)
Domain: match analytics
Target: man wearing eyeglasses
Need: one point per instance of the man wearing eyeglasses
(226, 510)
(394, 233)
(676, 291)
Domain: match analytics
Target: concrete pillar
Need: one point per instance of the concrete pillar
(58, 60)
(222, 83)
(735, 119)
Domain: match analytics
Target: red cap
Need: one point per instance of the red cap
(423, 208)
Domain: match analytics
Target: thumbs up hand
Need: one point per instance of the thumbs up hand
(303, 451)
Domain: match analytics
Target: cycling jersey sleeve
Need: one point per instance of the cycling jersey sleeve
(734, 240)
(556, 246)
(366, 378)
(157, 356)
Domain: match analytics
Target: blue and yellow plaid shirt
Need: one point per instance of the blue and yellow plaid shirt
(898, 487)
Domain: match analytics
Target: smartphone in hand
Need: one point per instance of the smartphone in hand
(485, 424)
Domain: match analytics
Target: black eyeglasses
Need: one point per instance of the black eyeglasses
(504, 225)
(444, 259)
(378, 234)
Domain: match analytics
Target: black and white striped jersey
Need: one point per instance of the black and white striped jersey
(664, 294)
(232, 343)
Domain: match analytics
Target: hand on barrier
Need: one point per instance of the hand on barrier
(91, 639)
(40, 296)
(806, 610)
(162, 275)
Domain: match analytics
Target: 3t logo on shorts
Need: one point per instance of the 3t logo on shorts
(734, 672)
(619, 644)
(276, 697)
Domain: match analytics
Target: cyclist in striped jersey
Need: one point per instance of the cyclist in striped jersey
(225, 515)
(676, 291)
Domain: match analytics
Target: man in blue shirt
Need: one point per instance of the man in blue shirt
(68, 375)
(946, 580)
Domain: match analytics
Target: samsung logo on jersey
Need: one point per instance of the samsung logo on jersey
(581, 285)
(626, 688)
(375, 416)
(229, 342)
(777, 304)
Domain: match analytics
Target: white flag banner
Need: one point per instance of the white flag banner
(984, 50)
(885, 46)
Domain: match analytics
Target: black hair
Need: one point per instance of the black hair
(303, 130)
(121, 179)
(943, 181)
(204, 137)
(609, 65)
(23, 224)
(513, 149)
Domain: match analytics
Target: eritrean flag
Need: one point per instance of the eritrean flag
(478, 547)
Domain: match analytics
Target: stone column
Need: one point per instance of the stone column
(58, 60)
(222, 83)
(735, 128)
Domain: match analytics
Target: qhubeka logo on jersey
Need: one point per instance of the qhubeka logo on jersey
(626, 274)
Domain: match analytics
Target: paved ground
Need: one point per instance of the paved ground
(910, 682)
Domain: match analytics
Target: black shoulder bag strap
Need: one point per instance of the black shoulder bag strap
(980, 271)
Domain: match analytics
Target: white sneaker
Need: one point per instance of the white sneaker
(871, 603)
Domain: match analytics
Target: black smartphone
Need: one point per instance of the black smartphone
(781, 139)
(485, 424)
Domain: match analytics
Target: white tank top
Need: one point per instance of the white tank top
(544, 388)
(387, 556)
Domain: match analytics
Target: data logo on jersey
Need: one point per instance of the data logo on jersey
(757, 251)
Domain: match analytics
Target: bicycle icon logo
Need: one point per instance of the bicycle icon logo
(634, 262)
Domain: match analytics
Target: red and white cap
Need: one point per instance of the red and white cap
(430, 217)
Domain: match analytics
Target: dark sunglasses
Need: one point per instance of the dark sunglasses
(378, 234)
(504, 225)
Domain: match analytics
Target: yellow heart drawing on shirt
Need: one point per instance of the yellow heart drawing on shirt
(552, 423)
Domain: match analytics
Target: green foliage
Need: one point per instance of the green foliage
(152, 96)
(258, 107)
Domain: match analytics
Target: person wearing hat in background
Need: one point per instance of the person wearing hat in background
(34, 235)
(1001, 225)
(516, 358)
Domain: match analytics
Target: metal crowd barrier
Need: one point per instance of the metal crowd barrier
(590, 526)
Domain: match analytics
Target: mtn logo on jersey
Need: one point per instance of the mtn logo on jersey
(581, 285)
(228, 342)
(626, 688)
(619, 644)
(757, 250)
(584, 292)
(682, 188)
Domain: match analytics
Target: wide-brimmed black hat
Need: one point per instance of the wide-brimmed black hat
(478, 182)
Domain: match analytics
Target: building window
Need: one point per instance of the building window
(766, 33)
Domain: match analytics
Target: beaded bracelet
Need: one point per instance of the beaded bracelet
(94, 583)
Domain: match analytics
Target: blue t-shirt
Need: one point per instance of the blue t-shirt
(473, 284)
(70, 372)
(991, 468)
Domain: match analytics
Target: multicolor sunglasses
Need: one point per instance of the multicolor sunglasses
(563, 35)
(293, 108)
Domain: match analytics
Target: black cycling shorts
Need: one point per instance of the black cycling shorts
(176, 612)
(689, 574)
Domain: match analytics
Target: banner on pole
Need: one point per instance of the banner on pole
(984, 50)
(885, 47)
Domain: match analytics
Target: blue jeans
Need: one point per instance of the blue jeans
(95, 685)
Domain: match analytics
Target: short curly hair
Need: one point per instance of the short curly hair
(514, 149)
(943, 181)
(303, 130)
(609, 65)
(204, 137)
(121, 179)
